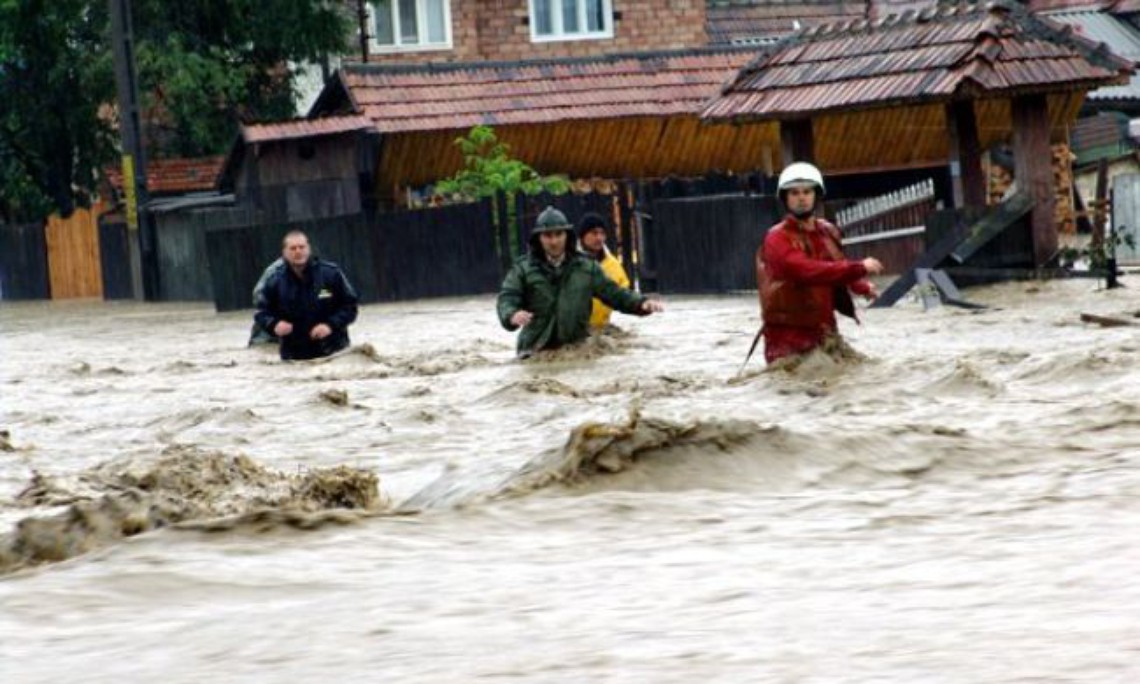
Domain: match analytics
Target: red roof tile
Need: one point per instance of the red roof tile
(914, 57)
(731, 22)
(173, 176)
(303, 128)
(438, 97)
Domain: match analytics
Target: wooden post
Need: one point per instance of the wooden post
(1100, 205)
(503, 231)
(965, 155)
(1033, 170)
(796, 141)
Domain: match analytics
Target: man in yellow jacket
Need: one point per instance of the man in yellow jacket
(592, 243)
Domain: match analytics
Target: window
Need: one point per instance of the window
(411, 25)
(570, 19)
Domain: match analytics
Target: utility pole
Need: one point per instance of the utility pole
(140, 224)
(362, 20)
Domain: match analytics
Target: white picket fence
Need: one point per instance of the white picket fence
(866, 213)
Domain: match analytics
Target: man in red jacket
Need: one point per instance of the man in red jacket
(801, 273)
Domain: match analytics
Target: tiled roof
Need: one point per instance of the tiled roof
(1053, 5)
(730, 22)
(915, 57)
(458, 96)
(1122, 38)
(303, 128)
(173, 176)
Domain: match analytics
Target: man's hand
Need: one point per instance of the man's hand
(652, 306)
(873, 266)
(521, 318)
(320, 331)
(282, 328)
(872, 293)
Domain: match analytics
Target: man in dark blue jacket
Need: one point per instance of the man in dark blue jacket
(308, 305)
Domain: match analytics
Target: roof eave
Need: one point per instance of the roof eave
(988, 94)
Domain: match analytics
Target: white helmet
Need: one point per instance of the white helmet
(799, 174)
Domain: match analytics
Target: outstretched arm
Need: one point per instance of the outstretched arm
(617, 297)
(786, 262)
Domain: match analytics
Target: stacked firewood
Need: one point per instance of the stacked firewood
(1064, 211)
(999, 178)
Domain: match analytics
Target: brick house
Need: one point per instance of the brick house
(406, 31)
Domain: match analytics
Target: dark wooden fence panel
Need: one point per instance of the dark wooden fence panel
(183, 267)
(349, 241)
(439, 252)
(115, 259)
(23, 262)
(238, 255)
(1013, 248)
(707, 244)
(236, 262)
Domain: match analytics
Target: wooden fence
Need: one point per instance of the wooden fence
(23, 262)
(672, 235)
(72, 246)
(708, 244)
(446, 251)
(890, 227)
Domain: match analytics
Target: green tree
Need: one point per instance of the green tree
(206, 64)
(202, 65)
(489, 168)
(55, 72)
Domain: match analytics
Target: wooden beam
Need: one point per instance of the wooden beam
(965, 155)
(1033, 170)
(797, 142)
(992, 224)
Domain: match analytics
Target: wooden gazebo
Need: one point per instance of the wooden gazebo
(925, 88)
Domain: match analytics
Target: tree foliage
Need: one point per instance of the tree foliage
(489, 168)
(54, 75)
(202, 66)
(205, 64)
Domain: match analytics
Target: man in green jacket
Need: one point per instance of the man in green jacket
(549, 292)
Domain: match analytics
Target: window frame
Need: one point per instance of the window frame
(558, 35)
(376, 48)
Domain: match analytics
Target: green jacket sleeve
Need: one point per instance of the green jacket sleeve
(510, 296)
(613, 295)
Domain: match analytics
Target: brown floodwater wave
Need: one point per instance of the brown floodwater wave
(120, 499)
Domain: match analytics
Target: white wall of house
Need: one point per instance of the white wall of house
(309, 83)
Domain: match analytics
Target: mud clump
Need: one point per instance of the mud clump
(606, 448)
(336, 397)
(126, 497)
(338, 487)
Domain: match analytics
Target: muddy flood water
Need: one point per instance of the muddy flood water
(962, 505)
